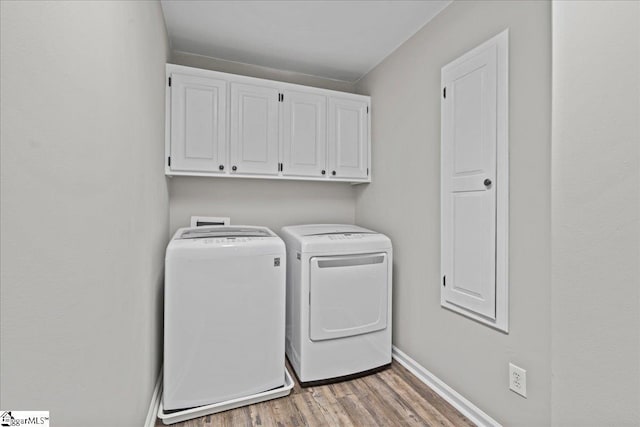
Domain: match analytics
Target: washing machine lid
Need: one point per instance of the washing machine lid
(224, 232)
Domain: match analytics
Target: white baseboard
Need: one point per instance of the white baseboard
(466, 408)
(152, 414)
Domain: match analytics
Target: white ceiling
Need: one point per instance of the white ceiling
(340, 40)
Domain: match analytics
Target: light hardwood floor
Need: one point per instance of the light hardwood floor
(393, 397)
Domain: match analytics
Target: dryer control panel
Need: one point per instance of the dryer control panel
(346, 236)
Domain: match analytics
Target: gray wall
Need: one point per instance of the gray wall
(404, 202)
(595, 216)
(84, 216)
(255, 201)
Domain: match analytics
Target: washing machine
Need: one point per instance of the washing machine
(338, 321)
(224, 321)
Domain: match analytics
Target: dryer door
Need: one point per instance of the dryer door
(348, 295)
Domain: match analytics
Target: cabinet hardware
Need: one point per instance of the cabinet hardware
(234, 168)
(324, 171)
(487, 182)
(367, 109)
(169, 161)
(444, 92)
(333, 173)
(367, 171)
(169, 81)
(444, 281)
(221, 167)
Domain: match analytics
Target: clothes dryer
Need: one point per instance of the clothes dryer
(339, 283)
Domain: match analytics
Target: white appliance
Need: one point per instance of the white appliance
(338, 301)
(224, 315)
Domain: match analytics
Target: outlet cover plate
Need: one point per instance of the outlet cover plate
(518, 380)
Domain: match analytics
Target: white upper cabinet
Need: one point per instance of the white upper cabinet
(198, 124)
(220, 124)
(304, 133)
(474, 179)
(254, 129)
(348, 138)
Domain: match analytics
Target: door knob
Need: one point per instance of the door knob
(487, 182)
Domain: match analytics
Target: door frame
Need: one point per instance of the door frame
(501, 322)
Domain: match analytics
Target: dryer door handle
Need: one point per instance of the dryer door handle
(348, 261)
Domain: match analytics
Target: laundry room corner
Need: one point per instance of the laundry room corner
(406, 98)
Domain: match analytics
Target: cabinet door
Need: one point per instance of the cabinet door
(304, 128)
(254, 129)
(198, 123)
(474, 162)
(348, 138)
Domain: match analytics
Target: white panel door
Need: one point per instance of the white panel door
(198, 123)
(304, 127)
(254, 129)
(348, 138)
(471, 105)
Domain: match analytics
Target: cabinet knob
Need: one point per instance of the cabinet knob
(234, 168)
(333, 172)
(487, 182)
(324, 172)
(221, 167)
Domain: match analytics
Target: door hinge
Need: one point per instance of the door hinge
(444, 281)
(169, 81)
(444, 92)
(169, 161)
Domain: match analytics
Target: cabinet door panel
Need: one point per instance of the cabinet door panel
(348, 138)
(254, 129)
(198, 123)
(304, 134)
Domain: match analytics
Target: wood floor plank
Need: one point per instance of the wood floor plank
(356, 411)
(406, 413)
(444, 407)
(409, 396)
(285, 413)
(375, 404)
(330, 406)
(306, 405)
(393, 397)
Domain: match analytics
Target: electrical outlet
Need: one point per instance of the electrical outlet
(518, 379)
